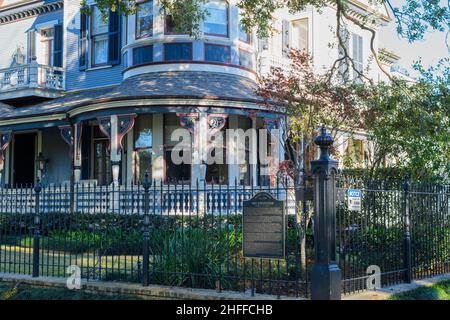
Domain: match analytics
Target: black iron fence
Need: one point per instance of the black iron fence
(176, 235)
(191, 235)
(402, 230)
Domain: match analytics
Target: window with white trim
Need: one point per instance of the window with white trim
(99, 38)
(144, 19)
(299, 34)
(216, 21)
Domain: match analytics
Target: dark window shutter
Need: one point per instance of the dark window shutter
(114, 38)
(286, 38)
(83, 41)
(58, 46)
(31, 45)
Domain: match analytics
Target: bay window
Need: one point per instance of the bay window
(142, 55)
(217, 53)
(244, 36)
(245, 59)
(178, 51)
(216, 21)
(143, 147)
(144, 20)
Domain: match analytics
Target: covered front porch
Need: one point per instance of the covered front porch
(123, 148)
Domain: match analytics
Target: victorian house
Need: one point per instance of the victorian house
(91, 100)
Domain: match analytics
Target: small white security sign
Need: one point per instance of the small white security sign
(354, 199)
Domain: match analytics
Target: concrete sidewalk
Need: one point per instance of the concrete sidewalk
(385, 293)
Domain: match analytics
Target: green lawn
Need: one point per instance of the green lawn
(26, 292)
(439, 291)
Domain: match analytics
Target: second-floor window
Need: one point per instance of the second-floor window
(144, 20)
(244, 36)
(245, 59)
(142, 55)
(99, 39)
(178, 51)
(216, 22)
(299, 34)
(217, 53)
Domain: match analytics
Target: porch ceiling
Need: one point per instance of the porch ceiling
(184, 85)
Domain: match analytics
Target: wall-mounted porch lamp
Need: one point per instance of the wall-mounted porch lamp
(41, 162)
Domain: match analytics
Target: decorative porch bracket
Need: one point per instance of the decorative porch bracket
(115, 129)
(326, 275)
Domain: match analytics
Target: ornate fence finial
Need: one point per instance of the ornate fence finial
(147, 182)
(38, 186)
(324, 141)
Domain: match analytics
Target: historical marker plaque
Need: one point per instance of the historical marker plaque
(264, 227)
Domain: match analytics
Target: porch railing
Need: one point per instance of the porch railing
(32, 75)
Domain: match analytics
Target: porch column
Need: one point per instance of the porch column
(116, 127)
(158, 148)
(116, 156)
(76, 141)
(199, 153)
(232, 153)
(254, 150)
(5, 140)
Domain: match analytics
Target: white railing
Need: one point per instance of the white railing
(32, 75)
(168, 200)
(268, 61)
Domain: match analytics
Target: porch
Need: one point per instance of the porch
(121, 149)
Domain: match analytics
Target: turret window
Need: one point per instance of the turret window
(245, 59)
(216, 22)
(178, 51)
(217, 53)
(144, 20)
(142, 55)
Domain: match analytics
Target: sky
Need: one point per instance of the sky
(430, 49)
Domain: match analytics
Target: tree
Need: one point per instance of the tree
(311, 100)
(409, 124)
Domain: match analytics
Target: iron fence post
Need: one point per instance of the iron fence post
(145, 251)
(407, 236)
(37, 233)
(325, 275)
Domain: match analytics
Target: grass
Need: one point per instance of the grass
(26, 292)
(15, 259)
(439, 291)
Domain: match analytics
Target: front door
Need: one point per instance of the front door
(24, 159)
(102, 162)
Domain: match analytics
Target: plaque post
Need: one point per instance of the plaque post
(326, 275)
